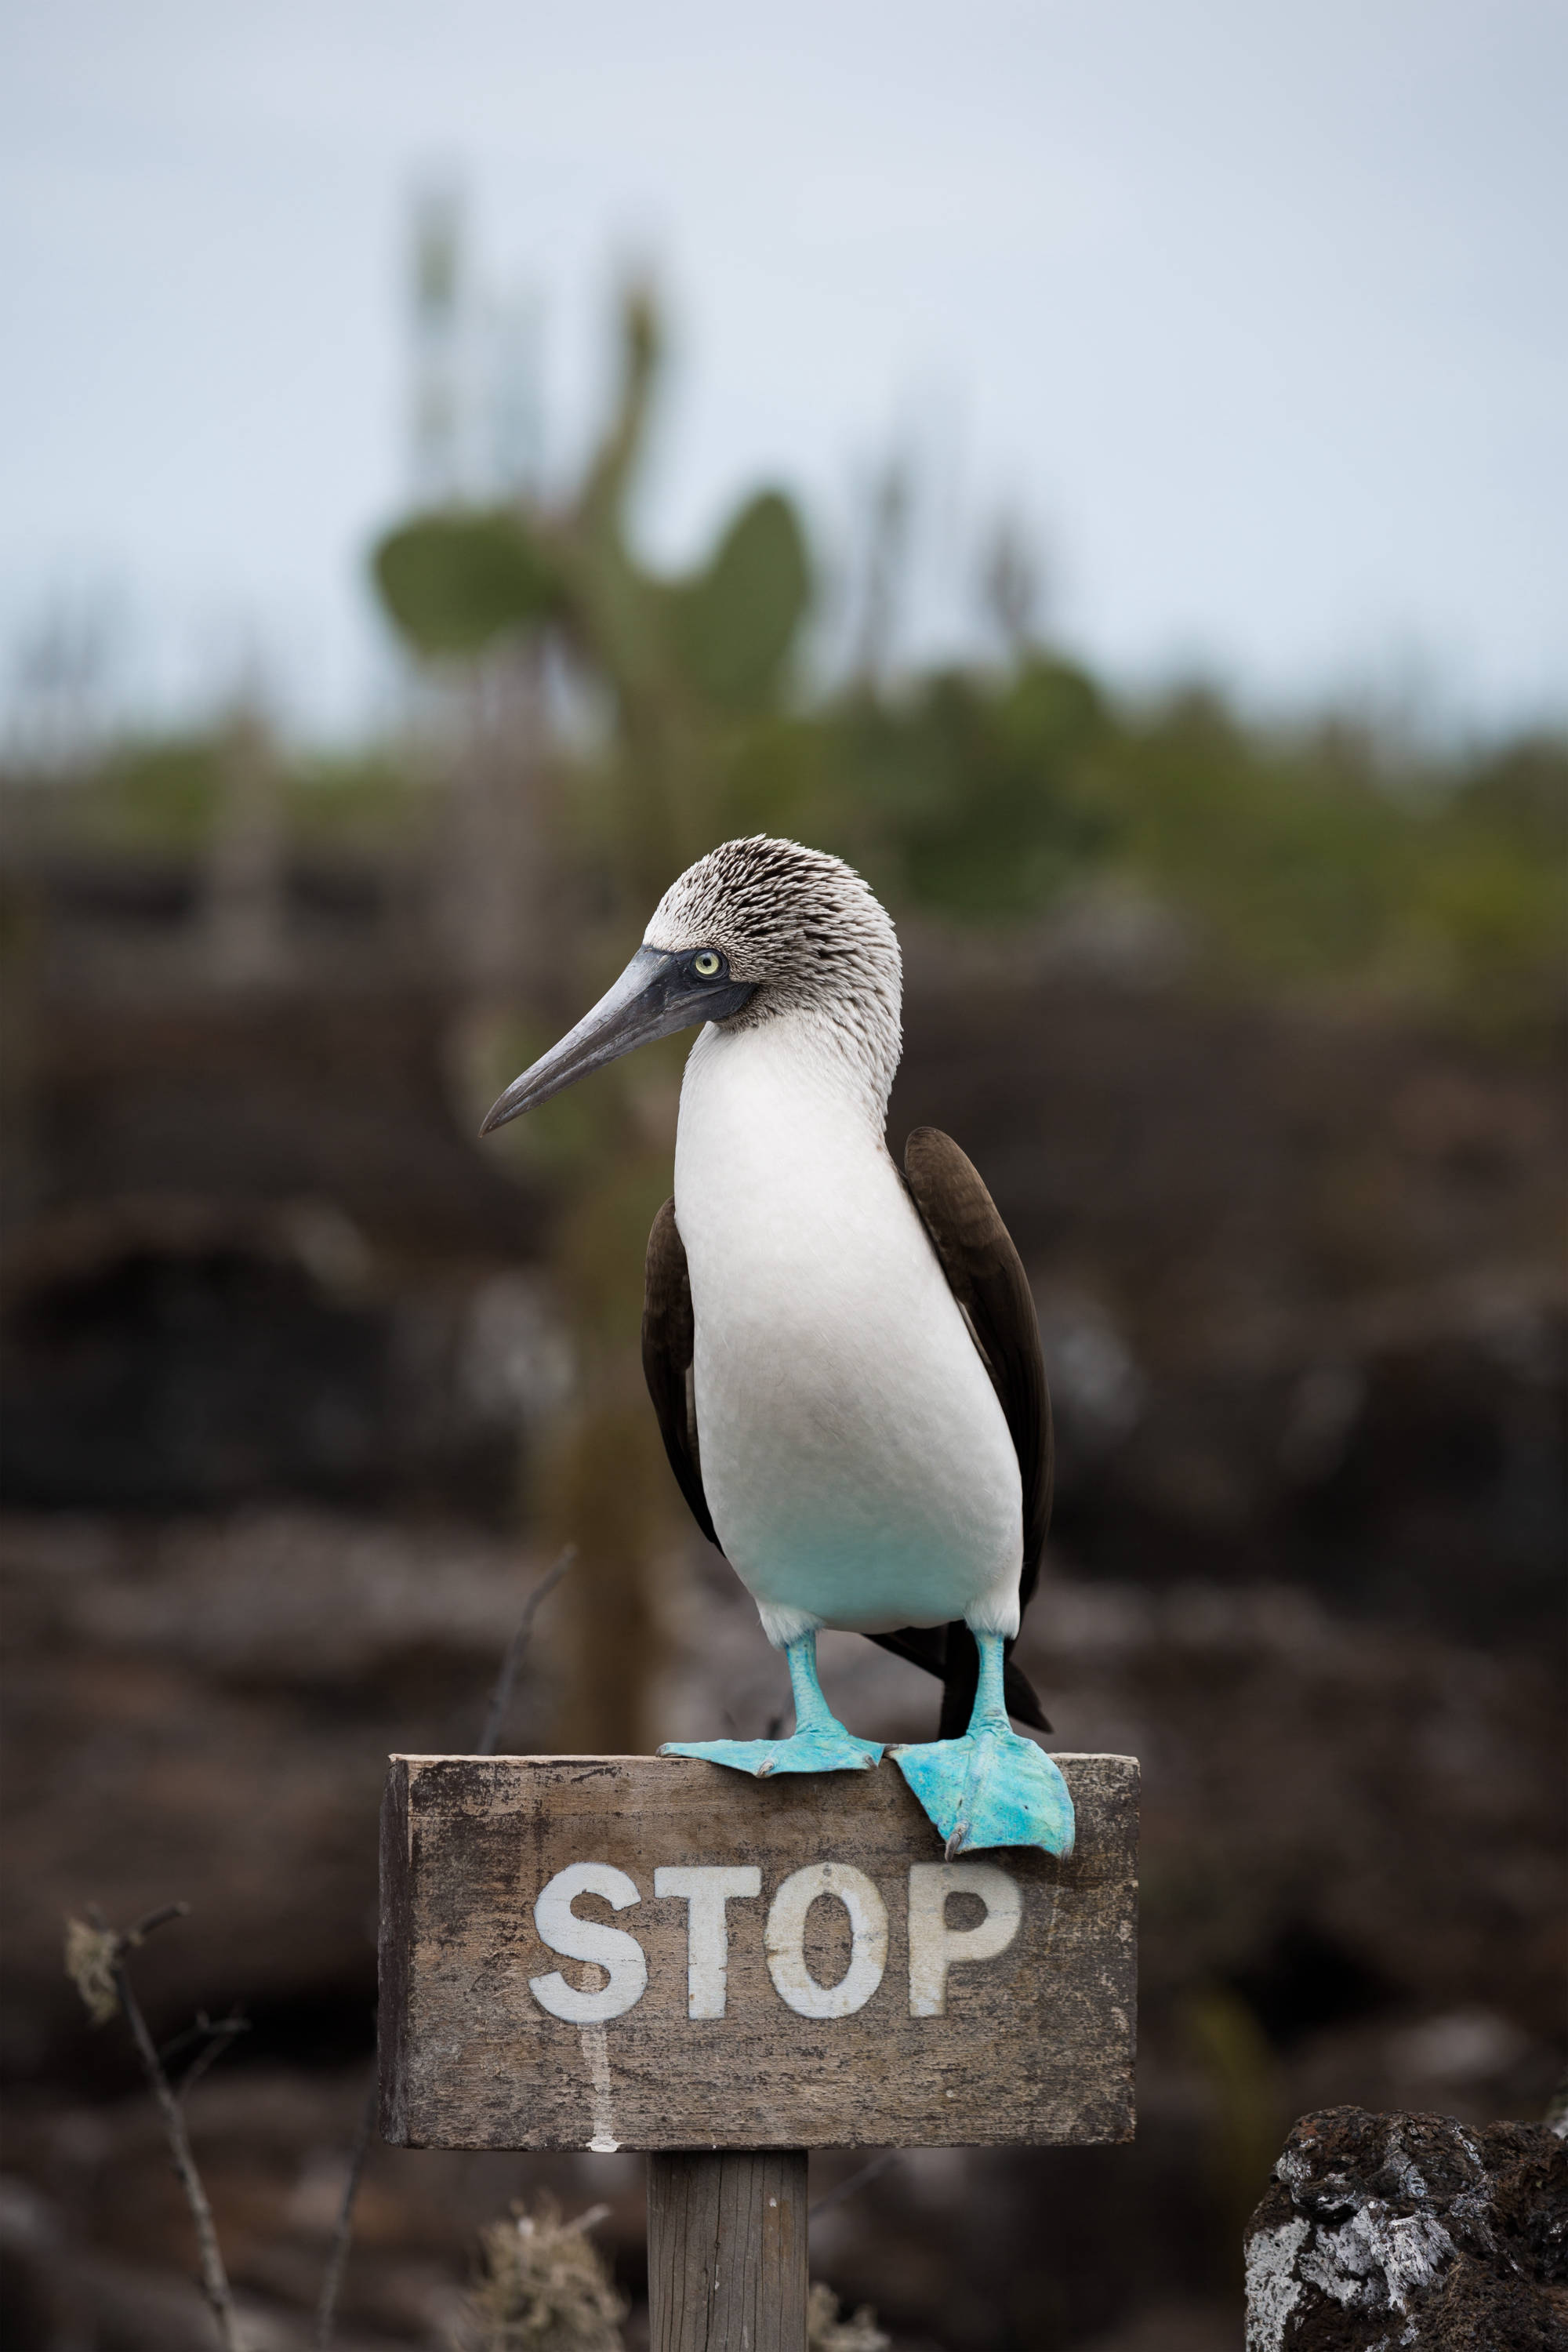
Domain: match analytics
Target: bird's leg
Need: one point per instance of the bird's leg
(992, 1787)
(819, 1742)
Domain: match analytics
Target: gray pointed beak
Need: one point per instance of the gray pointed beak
(656, 995)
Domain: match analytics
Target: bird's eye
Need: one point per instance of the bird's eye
(705, 962)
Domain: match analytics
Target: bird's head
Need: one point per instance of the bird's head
(756, 930)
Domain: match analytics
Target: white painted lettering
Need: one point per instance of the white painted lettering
(620, 1956)
(934, 1947)
(706, 1888)
(596, 2055)
(785, 1940)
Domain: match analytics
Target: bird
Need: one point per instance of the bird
(842, 1355)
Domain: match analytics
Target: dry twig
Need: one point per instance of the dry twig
(856, 2182)
(95, 1960)
(338, 2255)
(517, 1650)
(214, 2034)
(494, 1725)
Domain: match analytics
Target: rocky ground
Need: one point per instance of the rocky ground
(270, 1333)
(1458, 2238)
(1351, 1892)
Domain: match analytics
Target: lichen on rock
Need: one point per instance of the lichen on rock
(1381, 2232)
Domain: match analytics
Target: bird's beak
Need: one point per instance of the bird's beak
(655, 996)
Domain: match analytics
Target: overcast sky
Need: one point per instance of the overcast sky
(1259, 312)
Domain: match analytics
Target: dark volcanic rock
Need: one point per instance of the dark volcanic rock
(164, 1354)
(1390, 2230)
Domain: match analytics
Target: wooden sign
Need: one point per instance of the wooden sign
(651, 1952)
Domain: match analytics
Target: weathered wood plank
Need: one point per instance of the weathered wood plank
(727, 2251)
(736, 2011)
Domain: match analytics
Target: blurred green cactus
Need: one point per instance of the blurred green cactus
(458, 581)
(732, 625)
(455, 581)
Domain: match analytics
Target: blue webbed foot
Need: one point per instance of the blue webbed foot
(818, 1744)
(823, 1748)
(992, 1787)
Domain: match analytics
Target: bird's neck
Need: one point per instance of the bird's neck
(800, 1069)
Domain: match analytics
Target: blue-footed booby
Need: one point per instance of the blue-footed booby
(844, 1360)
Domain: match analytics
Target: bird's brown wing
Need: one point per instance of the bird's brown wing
(667, 1346)
(986, 1276)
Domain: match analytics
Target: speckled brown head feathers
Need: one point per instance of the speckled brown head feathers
(806, 929)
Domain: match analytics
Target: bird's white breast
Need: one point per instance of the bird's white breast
(855, 1458)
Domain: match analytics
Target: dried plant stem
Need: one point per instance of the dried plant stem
(326, 2304)
(517, 1650)
(214, 2036)
(214, 2278)
(494, 1725)
(856, 2182)
(209, 2057)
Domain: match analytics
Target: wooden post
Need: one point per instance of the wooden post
(649, 1952)
(726, 2252)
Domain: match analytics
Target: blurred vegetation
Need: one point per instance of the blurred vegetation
(1317, 859)
(1325, 858)
(163, 795)
(1324, 855)
(683, 659)
(542, 2286)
